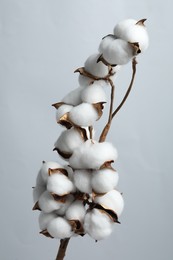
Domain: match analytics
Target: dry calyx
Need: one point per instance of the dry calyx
(80, 197)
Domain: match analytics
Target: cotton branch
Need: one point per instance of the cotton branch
(62, 248)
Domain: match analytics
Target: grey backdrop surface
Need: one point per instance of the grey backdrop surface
(41, 43)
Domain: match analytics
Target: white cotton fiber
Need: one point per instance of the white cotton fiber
(84, 81)
(106, 42)
(104, 180)
(39, 180)
(76, 211)
(83, 115)
(45, 218)
(59, 184)
(92, 155)
(82, 180)
(47, 203)
(74, 97)
(62, 110)
(97, 224)
(95, 68)
(37, 191)
(112, 200)
(93, 94)
(123, 26)
(45, 169)
(64, 206)
(59, 228)
(118, 52)
(69, 140)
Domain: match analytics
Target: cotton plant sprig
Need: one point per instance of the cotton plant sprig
(80, 197)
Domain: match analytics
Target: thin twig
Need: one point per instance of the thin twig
(134, 62)
(107, 126)
(62, 248)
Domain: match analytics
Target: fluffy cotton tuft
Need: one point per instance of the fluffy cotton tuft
(97, 224)
(64, 206)
(59, 184)
(83, 115)
(104, 180)
(76, 211)
(45, 218)
(69, 140)
(92, 155)
(112, 200)
(37, 191)
(118, 52)
(82, 180)
(123, 26)
(74, 97)
(95, 68)
(106, 41)
(59, 228)
(62, 110)
(45, 169)
(93, 94)
(47, 203)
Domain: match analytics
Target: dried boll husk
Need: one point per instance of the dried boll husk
(47, 203)
(61, 110)
(112, 200)
(59, 184)
(93, 94)
(69, 140)
(104, 180)
(85, 114)
(44, 171)
(92, 155)
(45, 218)
(85, 81)
(74, 97)
(95, 68)
(59, 228)
(98, 224)
(76, 211)
(119, 52)
(82, 180)
(135, 32)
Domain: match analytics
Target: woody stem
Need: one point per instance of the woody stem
(62, 248)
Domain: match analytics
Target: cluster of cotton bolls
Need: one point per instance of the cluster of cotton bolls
(80, 197)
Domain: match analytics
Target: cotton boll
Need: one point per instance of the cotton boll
(65, 206)
(104, 180)
(74, 97)
(45, 169)
(97, 224)
(112, 200)
(76, 211)
(93, 94)
(118, 52)
(123, 26)
(37, 191)
(45, 218)
(62, 110)
(83, 115)
(82, 180)
(95, 68)
(84, 81)
(59, 184)
(59, 228)
(47, 203)
(92, 155)
(69, 140)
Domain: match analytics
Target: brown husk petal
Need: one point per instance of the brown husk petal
(57, 105)
(111, 214)
(58, 170)
(82, 133)
(83, 72)
(61, 199)
(36, 206)
(136, 48)
(63, 154)
(45, 233)
(141, 22)
(77, 227)
(65, 121)
(107, 165)
(99, 107)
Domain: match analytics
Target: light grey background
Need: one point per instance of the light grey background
(41, 43)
